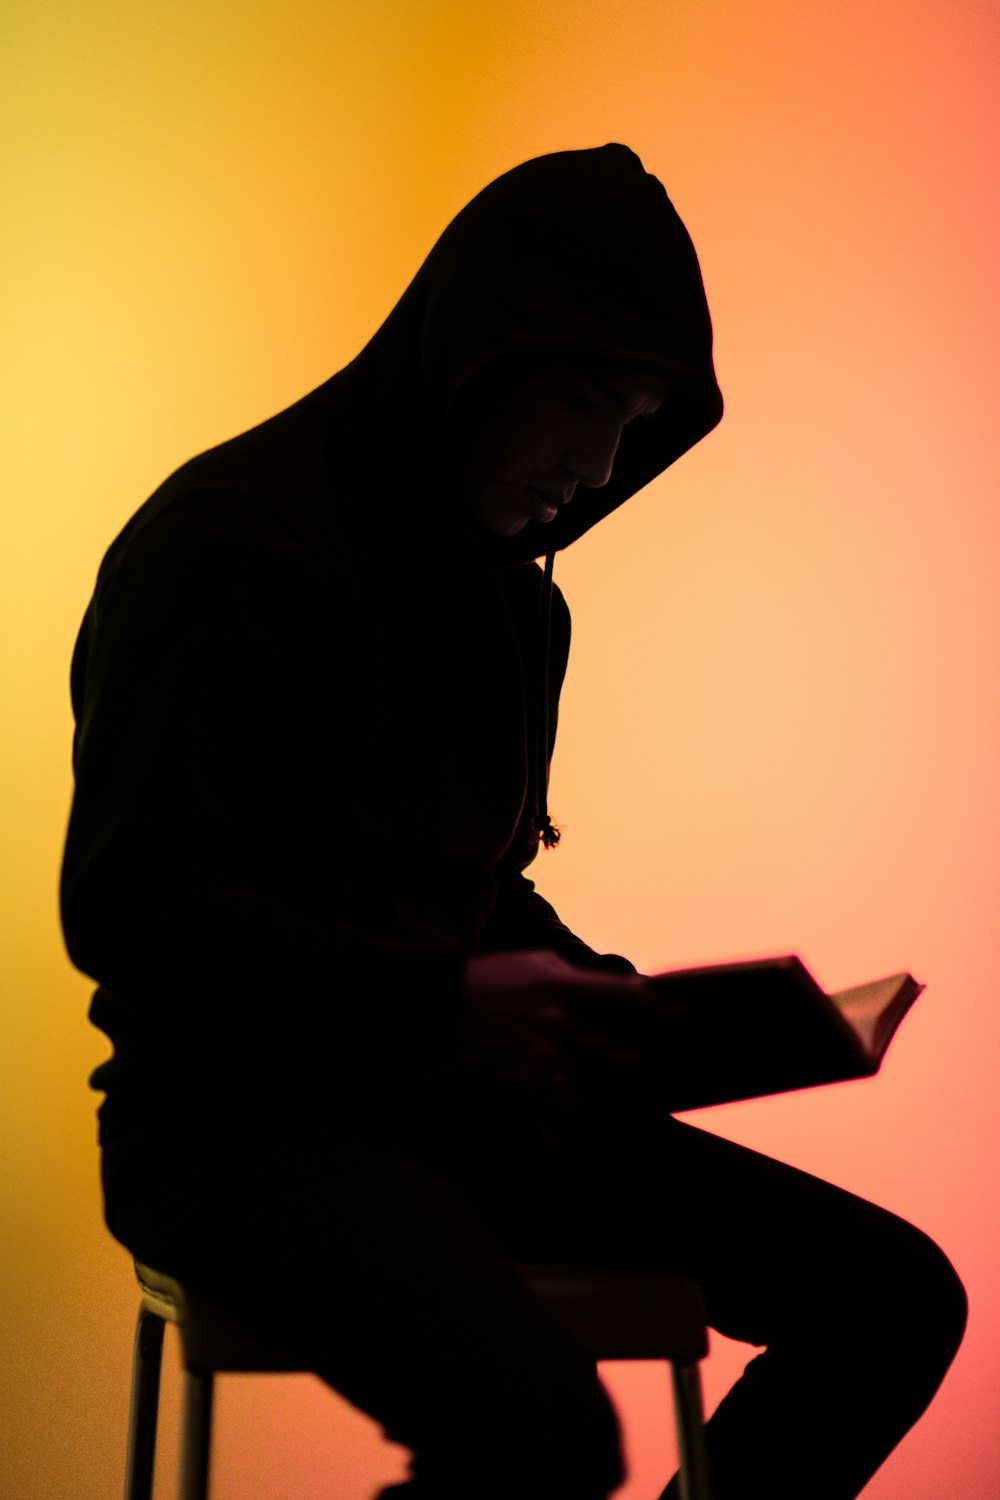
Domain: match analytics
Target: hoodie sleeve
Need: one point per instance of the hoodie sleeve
(523, 920)
(212, 689)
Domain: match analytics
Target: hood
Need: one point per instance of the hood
(573, 253)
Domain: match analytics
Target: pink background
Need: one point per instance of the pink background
(781, 728)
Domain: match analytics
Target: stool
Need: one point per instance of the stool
(612, 1313)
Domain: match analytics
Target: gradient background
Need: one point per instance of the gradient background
(781, 728)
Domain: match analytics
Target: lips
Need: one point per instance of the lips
(549, 505)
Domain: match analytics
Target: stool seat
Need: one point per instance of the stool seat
(620, 1313)
(211, 1339)
(612, 1313)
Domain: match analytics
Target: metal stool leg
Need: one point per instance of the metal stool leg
(196, 1436)
(143, 1408)
(689, 1414)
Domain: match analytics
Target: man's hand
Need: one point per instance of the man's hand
(532, 1018)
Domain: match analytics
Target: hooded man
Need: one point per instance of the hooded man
(316, 696)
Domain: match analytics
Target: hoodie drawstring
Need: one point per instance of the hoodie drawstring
(543, 823)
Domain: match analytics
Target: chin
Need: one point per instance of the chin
(503, 525)
(514, 528)
(503, 510)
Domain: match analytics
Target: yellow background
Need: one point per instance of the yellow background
(781, 728)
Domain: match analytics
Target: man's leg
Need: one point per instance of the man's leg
(860, 1313)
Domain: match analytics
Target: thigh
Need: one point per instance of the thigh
(768, 1244)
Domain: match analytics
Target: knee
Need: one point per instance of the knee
(913, 1309)
(934, 1303)
(896, 1293)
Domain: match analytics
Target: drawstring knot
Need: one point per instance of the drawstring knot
(548, 830)
(543, 823)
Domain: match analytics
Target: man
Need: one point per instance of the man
(316, 694)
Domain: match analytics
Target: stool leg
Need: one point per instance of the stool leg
(196, 1436)
(144, 1404)
(693, 1476)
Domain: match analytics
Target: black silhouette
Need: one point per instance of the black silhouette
(316, 697)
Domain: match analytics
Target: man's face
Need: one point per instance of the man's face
(534, 432)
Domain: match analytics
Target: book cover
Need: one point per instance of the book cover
(743, 1030)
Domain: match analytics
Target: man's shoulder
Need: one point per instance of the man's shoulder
(211, 523)
(264, 492)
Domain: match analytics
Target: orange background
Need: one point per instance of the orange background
(781, 728)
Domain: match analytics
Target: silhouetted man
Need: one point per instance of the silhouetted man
(316, 697)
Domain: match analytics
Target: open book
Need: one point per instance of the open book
(737, 1031)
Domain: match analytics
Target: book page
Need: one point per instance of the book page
(875, 1010)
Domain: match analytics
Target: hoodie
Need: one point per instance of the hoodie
(314, 720)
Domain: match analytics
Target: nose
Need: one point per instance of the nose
(594, 456)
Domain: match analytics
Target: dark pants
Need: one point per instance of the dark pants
(384, 1255)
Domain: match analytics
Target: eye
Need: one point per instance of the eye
(584, 398)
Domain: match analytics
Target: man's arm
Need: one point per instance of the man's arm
(210, 884)
(524, 920)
